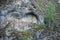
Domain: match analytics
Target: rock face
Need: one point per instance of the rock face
(19, 9)
(18, 15)
(22, 15)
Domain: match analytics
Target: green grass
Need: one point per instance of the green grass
(38, 27)
(50, 12)
(25, 38)
(50, 15)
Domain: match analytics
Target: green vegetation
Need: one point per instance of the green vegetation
(50, 15)
(25, 38)
(27, 33)
(50, 12)
(38, 27)
(23, 35)
(50, 29)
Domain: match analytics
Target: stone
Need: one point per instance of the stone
(21, 15)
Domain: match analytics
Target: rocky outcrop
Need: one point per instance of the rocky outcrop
(21, 19)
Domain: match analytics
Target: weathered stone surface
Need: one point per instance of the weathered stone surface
(22, 16)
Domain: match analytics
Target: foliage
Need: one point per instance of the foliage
(38, 27)
(50, 15)
(51, 29)
(50, 12)
(23, 35)
(25, 38)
